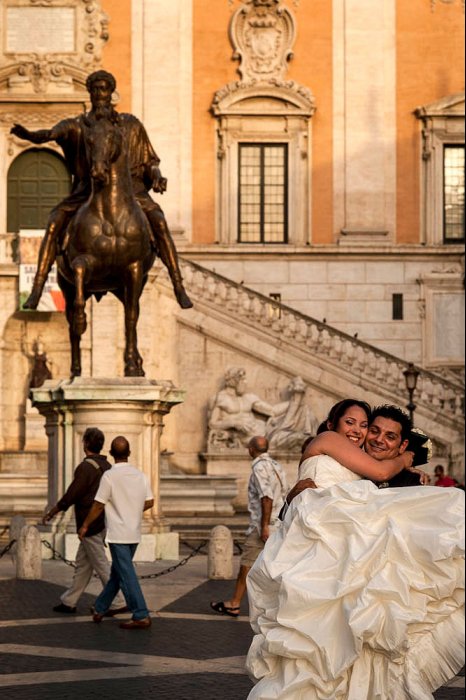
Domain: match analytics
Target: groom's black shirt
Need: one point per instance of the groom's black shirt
(404, 478)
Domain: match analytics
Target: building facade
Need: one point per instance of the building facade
(314, 152)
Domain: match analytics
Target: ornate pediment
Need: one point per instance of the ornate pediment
(275, 97)
(48, 47)
(452, 105)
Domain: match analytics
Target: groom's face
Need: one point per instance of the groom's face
(383, 439)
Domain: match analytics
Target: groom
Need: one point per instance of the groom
(387, 437)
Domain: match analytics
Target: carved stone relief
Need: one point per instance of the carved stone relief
(262, 33)
(31, 63)
(236, 415)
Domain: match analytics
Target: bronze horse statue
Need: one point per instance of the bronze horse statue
(107, 243)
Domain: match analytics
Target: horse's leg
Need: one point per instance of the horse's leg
(75, 339)
(134, 283)
(80, 268)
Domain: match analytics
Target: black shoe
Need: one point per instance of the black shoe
(62, 608)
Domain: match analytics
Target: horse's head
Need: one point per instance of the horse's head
(103, 140)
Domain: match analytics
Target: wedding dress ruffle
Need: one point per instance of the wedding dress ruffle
(360, 594)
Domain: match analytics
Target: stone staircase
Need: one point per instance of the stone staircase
(320, 353)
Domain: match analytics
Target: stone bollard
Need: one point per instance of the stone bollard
(220, 559)
(28, 555)
(17, 523)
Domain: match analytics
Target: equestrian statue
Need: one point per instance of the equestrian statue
(106, 233)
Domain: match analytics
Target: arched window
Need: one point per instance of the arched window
(37, 180)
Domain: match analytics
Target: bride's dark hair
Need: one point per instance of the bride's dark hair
(339, 410)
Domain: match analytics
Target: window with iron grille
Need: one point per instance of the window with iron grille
(453, 193)
(263, 193)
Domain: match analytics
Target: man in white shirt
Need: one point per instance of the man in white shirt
(266, 493)
(124, 493)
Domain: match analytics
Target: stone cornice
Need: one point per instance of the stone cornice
(322, 252)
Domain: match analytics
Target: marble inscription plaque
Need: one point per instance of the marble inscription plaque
(40, 30)
(449, 322)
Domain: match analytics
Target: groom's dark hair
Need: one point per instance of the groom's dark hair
(396, 414)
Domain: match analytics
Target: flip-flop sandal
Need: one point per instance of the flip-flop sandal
(223, 610)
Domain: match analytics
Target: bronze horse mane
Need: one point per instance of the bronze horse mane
(107, 242)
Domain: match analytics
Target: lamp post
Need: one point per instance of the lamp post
(411, 374)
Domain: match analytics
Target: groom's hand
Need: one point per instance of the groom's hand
(299, 488)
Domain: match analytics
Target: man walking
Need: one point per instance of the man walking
(124, 493)
(266, 492)
(91, 552)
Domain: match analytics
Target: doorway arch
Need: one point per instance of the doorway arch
(37, 180)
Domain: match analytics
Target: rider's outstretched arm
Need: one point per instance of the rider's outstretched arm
(40, 136)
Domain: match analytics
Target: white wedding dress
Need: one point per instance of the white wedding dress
(359, 595)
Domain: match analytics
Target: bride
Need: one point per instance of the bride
(359, 595)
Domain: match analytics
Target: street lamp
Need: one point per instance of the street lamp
(411, 374)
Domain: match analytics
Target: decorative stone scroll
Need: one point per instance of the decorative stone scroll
(50, 46)
(262, 33)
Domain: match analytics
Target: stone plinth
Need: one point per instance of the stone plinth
(133, 407)
(237, 464)
(198, 494)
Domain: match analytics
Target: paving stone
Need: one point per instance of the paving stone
(212, 686)
(25, 599)
(190, 639)
(34, 664)
(198, 599)
(189, 643)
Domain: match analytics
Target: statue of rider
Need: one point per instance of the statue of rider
(145, 174)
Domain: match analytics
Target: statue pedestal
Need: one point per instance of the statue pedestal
(233, 463)
(133, 407)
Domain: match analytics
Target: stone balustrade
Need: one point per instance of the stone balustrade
(8, 242)
(372, 365)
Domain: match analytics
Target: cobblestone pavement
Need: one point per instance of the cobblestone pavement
(189, 653)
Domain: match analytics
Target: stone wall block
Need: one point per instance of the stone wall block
(220, 558)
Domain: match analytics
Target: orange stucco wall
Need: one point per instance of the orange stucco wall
(117, 51)
(312, 67)
(213, 67)
(430, 65)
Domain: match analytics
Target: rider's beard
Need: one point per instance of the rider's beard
(104, 112)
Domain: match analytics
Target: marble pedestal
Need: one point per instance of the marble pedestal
(133, 407)
(237, 464)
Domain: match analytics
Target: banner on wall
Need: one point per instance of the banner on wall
(52, 298)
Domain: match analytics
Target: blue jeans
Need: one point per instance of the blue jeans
(123, 575)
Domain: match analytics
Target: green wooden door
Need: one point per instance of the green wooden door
(38, 179)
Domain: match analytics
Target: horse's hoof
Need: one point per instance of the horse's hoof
(132, 370)
(182, 298)
(75, 372)
(33, 299)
